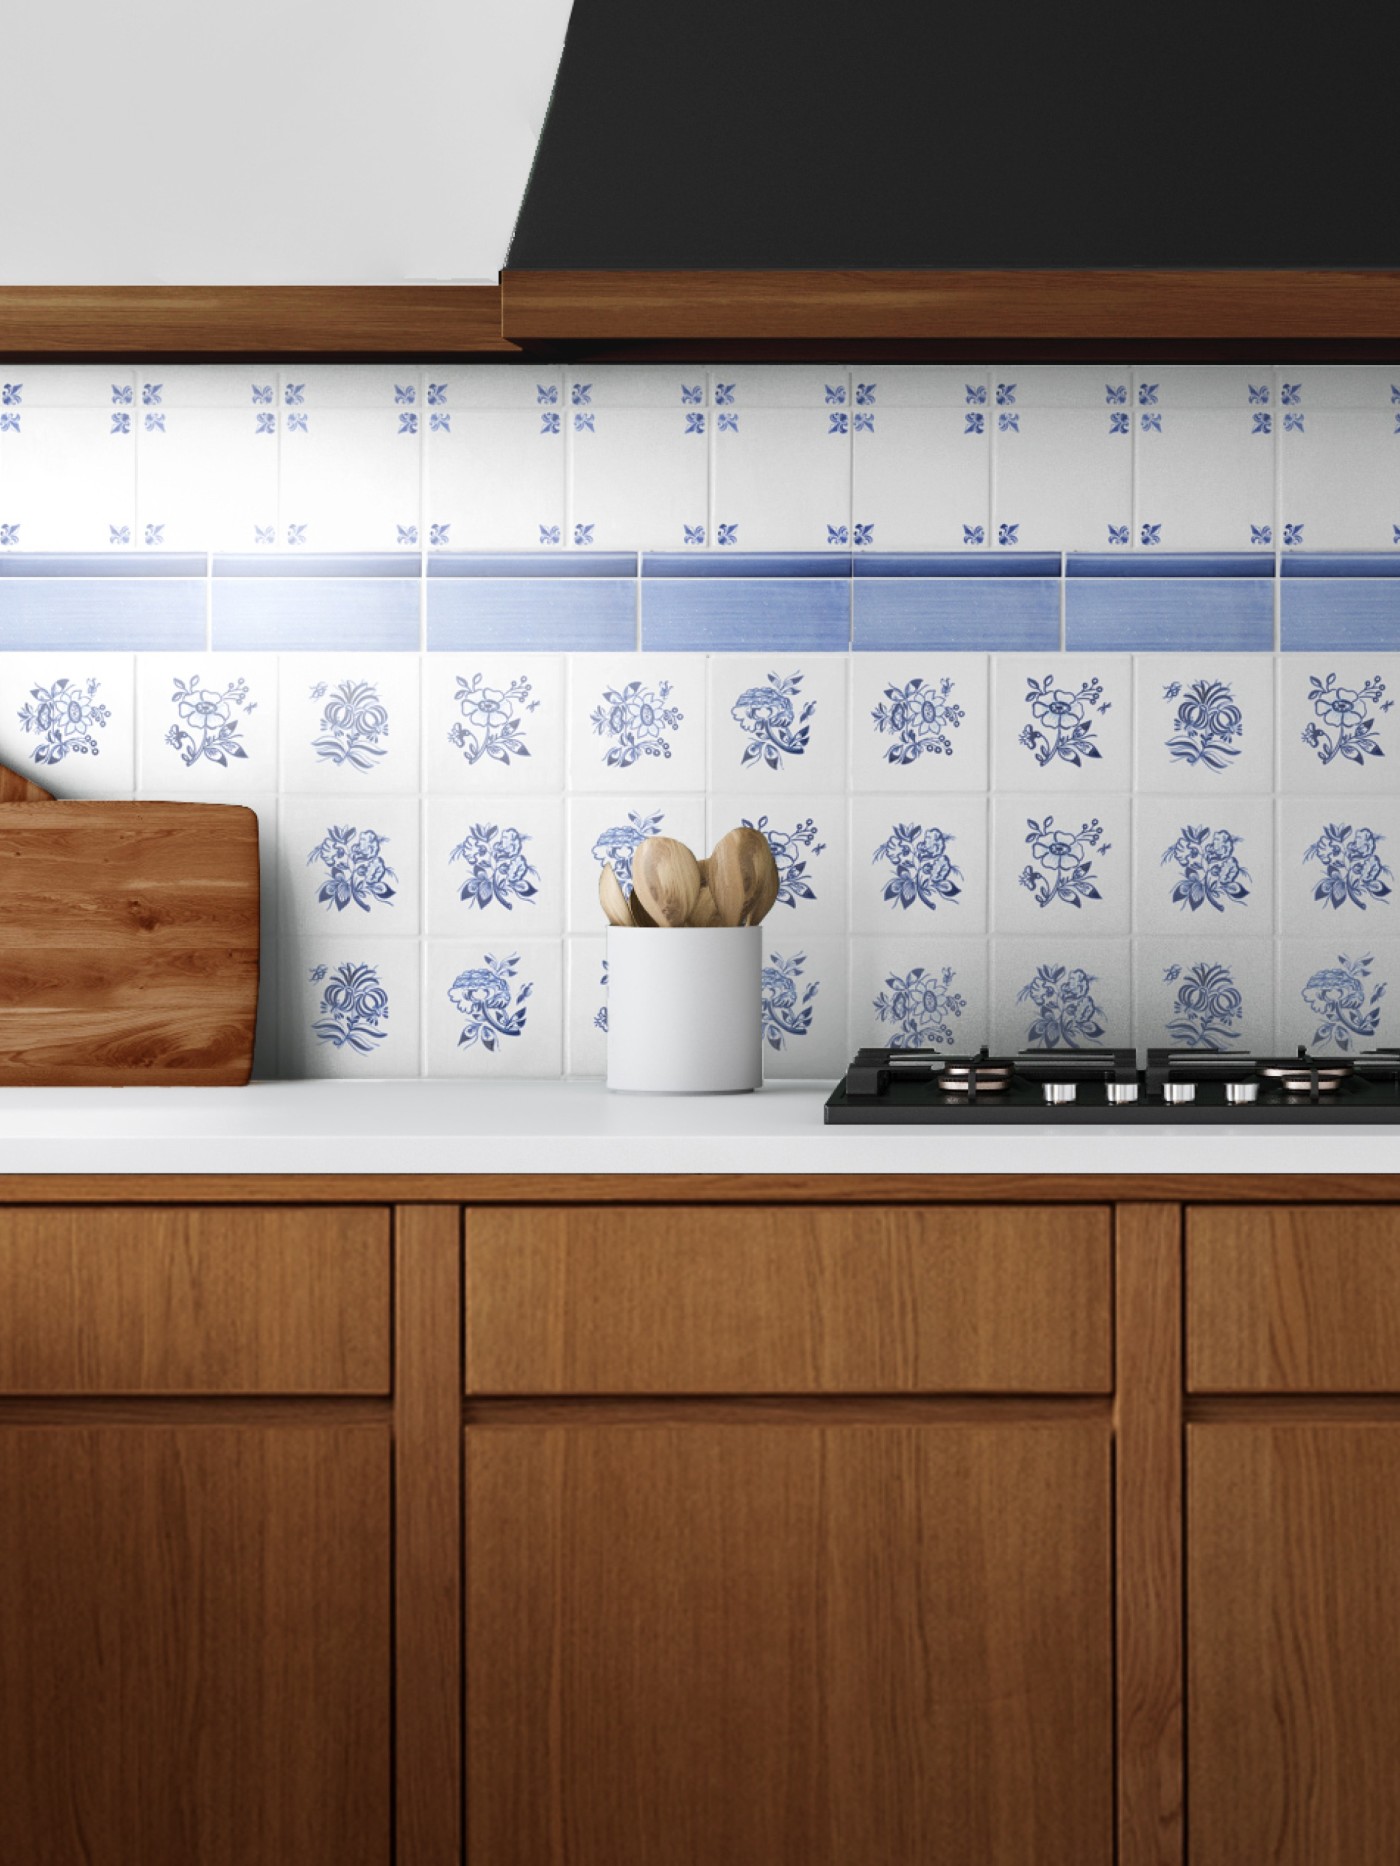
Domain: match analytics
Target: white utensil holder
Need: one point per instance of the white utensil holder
(684, 1010)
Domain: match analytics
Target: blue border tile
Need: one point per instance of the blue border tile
(284, 615)
(500, 564)
(959, 564)
(1172, 565)
(745, 564)
(1226, 615)
(1332, 612)
(1343, 564)
(578, 614)
(102, 612)
(953, 612)
(722, 615)
(284, 564)
(146, 565)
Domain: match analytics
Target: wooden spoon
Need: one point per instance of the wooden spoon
(743, 877)
(639, 915)
(666, 877)
(704, 913)
(613, 900)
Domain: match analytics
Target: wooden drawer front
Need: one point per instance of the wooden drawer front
(679, 1299)
(1293, 1299)
(151, 1299)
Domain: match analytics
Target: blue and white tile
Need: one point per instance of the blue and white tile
(809, 841)
(919, 723)
(782, 478)
(1205, 479)
(1338, 732)
(68, 478)
(918, 385)
(344, 870)
(638, 477)
(351, 1006)
(351, 479)
(1061, 992)
(777, 723)
(206, 723)
(804, 1006)
(1341, 479)
(783, 385)
(493, 724)
(451, 386)
(68, 721)
(206, 478)
(636, 723)
(1338, 995)
(1337, 861)
(494, 478)
(1204, 385)
(493, 1006)
(1059, 385)
(1204, 724)
(351, 385)
(919, 866)
(1062, 478)
(206, 385)
(1064, 721)
(636, 385)
(1339, 385)
(1204, 993)
(918, 992)
(1059, 860)
(350, 722)
(920, 478)
(493, 872)
(1209, 871)
(67, 385)
(586, 965)
(607, 829)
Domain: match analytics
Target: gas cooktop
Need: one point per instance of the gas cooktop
(1073, 1086)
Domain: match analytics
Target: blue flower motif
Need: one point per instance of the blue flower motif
(974, 424)
(1067, 1017)
(921, 1006)
(491, 725)
(1064, 718)
(298, 423)
(865, 394)
(729, 534)
(497, 867)
(119, 534)
(1115, 393)
(695, 424)
(835, 392)
(1293, 424)
(784, 1012)
(1006, 393)
(483, 995)
(1009, 424)
(11, 393)
(9, 534)
(729, 424)
(353, 721)
(1336, 996)
(408, 534)
(1151, 534)
(1208, 1007)
(1352, 868)
(356, 874)
(1118, 423)
(441, 533)
(1207, 723)
(1062, 868)
(440, 423)
(354, 1007)
(293, 393)
(264, 534)
(584, 423)
(693, 534)
(1291, 393)
(437, 394)
(918, 716)
(121, 424)
(974, 534)
(408, 424)
(1152, 424)
(1009, 534)
(581, 394)
(1344, 725)
(150, 393)
(65, 717)
(838, 424)
(155, 534)
(865, 424)
(9, 424)
(1118, 534)
(787, 846)
(405, 393)
(837, 534)
(695, 393)
(1147, 394)
(1259, 393)
(1262, 424)
(550, 534)
(976, 394)
(1261, 534)
(600, 1019)
(724, 393)
(264, 424)
(773, 722)
(583, 534)
(547, 392)
(924, 871)
(262, 392)
(637, 719)
(296, 534)
(618, 844)
(121, 392)
(1396, 537)
(863, 534)
(1293, 534)
(1395, 391)
(1211, 874)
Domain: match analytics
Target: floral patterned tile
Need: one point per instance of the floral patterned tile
(493, 723)
(1337, 728)
(918, 993)
(67, 720)
(1061, 992)
(778, 723)
(923, 873)
(1061, 862)
(350, 1006)
(586, 962)
(804, 986)
(347, 866)
(493, 1006)
(1336, 866)
(1208, 993)
(607, 830)
(1204, 723)
(493, 872)
(349, 722)
(1062, 721)
(636, 723)
(809, 842)
(206, 723)
(919, 722)
(1212, 871)
(1338, 994)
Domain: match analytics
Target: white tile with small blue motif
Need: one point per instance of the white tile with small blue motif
(350, 478)
(1062, 721)
(1337, 995)
(1206, 478)
(809, 839)
(803, 1005)
(493, 1007)
(67, 721)
(782, 478)
(919, 867)
(920, 478)
(1204, 868)
(918, 385)
(497, 870)
(1062, 991)
(494, 479)
(1058, 859)
(1062, 477)
(206, 476)
(206, 723)
(636, 723)
(350, 1006)
(919, 723)
(1204, 724)
(606, 831)
(586, 1030)
(470, 385)
(348, 865)
(915, 992)
(635, 385)
(1338, 727)
(777, 721)
(1340, 479)
(494, 725)
(1202, 991)
(67, 474)
(349, 722)
(639, 477)
(1337, 863)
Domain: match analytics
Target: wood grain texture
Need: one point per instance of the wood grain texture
(195, 1646)
(758, 1300)
(1147, 1468)
(755, 1646)
(234, 321)
(15, 788)
(1294, 1621)
(988, 305)
(194, 1301)
(427, 1536)
(1290, 1300)
(129, 943)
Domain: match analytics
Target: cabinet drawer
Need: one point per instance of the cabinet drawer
(895, 1299)
(1293, 1299)
(153, 1299)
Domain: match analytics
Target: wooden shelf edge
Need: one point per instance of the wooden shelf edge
(989, 306)
(227, 323)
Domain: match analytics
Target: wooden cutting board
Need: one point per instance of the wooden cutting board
(128, 943)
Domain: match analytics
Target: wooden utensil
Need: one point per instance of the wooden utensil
(743, 877)
(704, 913)
(612, 899)
(639, 915)
(666, 876)
(14, 788)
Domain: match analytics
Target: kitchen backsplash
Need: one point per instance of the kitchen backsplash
(1063, 694)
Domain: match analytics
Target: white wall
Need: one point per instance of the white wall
(163, 142)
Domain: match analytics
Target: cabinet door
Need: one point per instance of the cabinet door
(194, 1645)
(788, 1643)
(1293, 1616)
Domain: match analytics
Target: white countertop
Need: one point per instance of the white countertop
(578, 1127)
